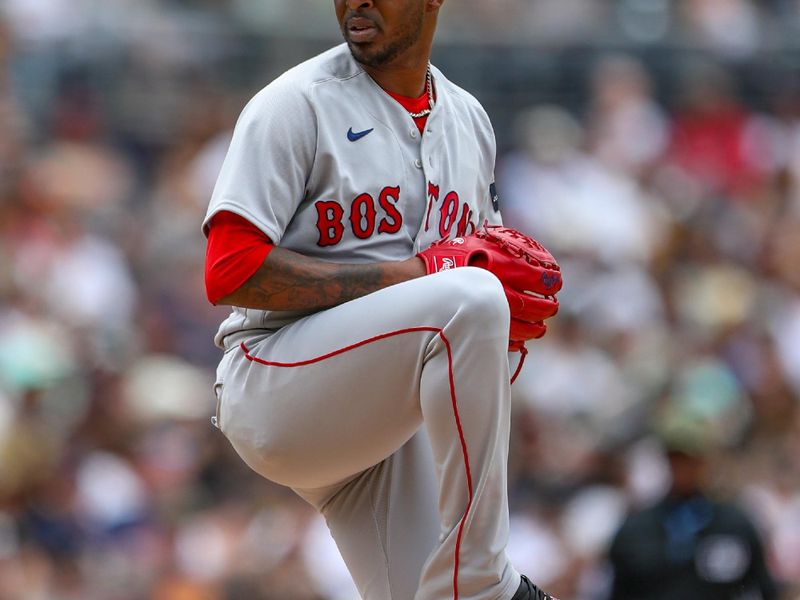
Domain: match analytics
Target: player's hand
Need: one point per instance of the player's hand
(530, 275)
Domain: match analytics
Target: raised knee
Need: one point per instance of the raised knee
(479, 295)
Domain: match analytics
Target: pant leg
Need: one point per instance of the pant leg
(323, 401)
(385, 521)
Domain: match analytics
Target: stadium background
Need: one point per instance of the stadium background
(653, 145)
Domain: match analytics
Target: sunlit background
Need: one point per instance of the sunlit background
(652, 145)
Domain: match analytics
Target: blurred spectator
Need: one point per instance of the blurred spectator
(628, 130)
(731, 27)
(689, 545)
(714, 139)
(571, 201)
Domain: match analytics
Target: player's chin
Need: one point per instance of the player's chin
(363, 52)
(371, 54)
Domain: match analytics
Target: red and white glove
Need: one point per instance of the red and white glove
(530, 275)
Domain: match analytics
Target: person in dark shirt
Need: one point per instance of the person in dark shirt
(689, 546)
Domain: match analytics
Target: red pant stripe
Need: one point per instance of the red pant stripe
(453, 399)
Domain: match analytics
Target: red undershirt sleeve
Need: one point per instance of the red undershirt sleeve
(236, 249)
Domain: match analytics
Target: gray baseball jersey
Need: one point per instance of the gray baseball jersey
(327, 164)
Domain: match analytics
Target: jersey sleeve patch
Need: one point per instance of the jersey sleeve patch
(495, 198)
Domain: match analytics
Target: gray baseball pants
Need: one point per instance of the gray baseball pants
(390, 414)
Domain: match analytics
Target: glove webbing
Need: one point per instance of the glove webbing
(517, 250)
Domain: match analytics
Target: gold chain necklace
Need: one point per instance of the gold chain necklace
(428, 88)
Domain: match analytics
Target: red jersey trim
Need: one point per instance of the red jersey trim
(453, 400)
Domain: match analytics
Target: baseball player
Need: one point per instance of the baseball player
(360, 368)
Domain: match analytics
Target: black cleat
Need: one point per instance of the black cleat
(528, 591)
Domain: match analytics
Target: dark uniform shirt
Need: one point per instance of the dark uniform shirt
(689, 549)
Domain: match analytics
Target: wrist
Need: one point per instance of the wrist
(414, 267)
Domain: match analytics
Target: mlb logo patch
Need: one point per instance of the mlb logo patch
(495, 198)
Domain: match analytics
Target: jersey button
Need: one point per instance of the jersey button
(418, 163)
(413, 134)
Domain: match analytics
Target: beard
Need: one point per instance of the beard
(380, 54)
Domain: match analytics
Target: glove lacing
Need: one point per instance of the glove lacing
(523, 352)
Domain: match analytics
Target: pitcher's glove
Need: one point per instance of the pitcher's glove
(530, 275)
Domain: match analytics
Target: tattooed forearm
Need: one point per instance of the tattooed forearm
(291, 281)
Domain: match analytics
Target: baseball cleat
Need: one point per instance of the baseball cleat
(528, 591)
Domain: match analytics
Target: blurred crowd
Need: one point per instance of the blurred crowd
(677, 225)
(679, 236)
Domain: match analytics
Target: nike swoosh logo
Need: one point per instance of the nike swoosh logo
(355, 136)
